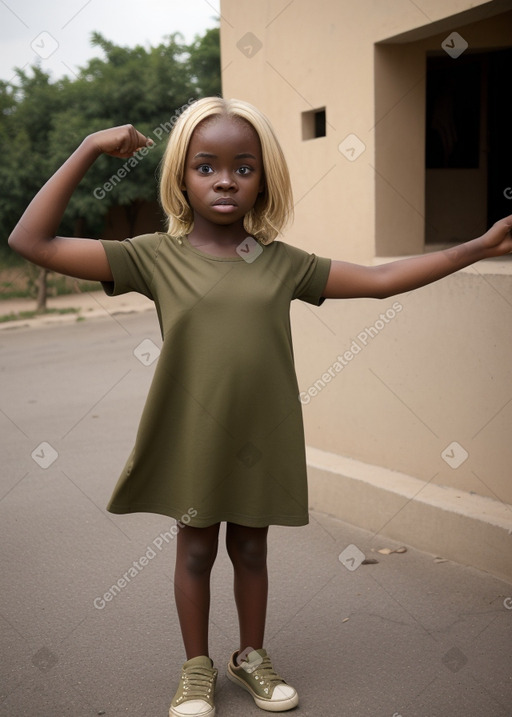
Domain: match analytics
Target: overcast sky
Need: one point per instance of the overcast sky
(56, 33)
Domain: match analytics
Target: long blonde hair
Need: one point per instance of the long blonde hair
(274, 206)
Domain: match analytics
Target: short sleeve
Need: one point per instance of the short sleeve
(132, 263)
(309, 274)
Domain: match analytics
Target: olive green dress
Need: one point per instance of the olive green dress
(221, 436)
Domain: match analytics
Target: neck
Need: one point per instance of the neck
(219, 234)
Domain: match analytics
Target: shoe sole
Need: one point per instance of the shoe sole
(267, 705)
(172, 713)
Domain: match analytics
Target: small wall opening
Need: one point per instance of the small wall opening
(314, 124)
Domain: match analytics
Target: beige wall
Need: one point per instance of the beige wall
(438, 369)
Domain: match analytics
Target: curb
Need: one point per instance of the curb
(46, 320)
(86, 306)
(435, 519)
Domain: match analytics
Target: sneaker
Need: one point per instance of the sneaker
(256, 675)
(194, 696)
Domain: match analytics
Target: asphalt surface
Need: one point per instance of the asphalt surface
(409, 636)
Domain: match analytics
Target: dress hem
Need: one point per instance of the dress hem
(205, 522)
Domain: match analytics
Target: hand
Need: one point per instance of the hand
(121, 142)
(497, 241)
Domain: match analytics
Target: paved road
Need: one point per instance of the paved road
(407, 636)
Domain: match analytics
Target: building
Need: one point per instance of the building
(394, 116)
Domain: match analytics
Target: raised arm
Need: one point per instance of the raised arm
(347, 281)
(34, 235)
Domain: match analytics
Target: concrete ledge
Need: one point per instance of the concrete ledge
(469, 529)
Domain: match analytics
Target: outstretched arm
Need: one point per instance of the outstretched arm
(34, 235)
(347, 281)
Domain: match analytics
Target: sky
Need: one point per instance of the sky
(56, 33)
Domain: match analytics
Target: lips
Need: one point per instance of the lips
(224, 202)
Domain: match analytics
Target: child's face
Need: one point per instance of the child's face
(223, 170)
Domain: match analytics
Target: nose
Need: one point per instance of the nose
(224, 181)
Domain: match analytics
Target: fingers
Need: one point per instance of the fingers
(130, 140)
(121, 142)
(143, 140)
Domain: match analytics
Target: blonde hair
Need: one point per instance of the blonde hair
(274, 206)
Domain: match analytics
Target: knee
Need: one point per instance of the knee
(250, 553)
(200, 556)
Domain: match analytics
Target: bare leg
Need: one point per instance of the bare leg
(247, 548)
(195, 555)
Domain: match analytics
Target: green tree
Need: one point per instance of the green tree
(204, 63)
(42, 122)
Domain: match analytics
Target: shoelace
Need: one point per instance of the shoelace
(197, 682)
(266, 672)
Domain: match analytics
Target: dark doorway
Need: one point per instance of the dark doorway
(468, 155)
(499, 102)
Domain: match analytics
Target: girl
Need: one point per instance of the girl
(221, 435)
